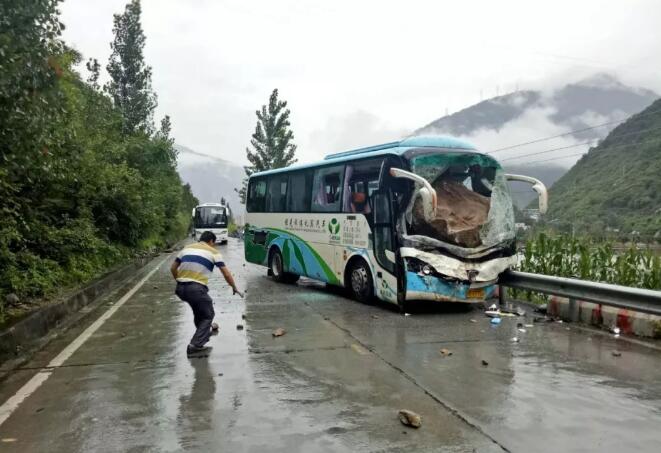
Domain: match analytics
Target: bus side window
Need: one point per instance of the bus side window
(327, 189)
(277, 194)
(300, 189)
(256, 195)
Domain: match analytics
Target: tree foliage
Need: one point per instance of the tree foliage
(130, 78)
(615, 189)
(271, 142)
(78, 193)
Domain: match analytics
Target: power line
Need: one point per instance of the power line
(583, 154)
(576, 131)
(586, 143)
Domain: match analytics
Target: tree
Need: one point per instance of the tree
(94, 68)
(271, 142)
(130, 78)
(166, 129)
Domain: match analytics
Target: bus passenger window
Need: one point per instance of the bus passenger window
(327, 189)
(256, 196)
(277, 194)
(300, 188)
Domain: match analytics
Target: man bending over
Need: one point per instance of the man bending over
(191, 269)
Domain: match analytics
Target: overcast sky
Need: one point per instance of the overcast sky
(358, 73)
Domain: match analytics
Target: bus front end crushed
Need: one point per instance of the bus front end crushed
(457, 231)
(437, 277)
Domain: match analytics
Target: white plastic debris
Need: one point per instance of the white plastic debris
(522, 330)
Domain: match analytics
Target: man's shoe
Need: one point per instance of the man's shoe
(197, 351)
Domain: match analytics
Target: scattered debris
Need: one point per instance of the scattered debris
(559, 321)
(410, 418)
(473, 320)
(527, 325)
(542, 319)
(515, 339)
(279, 332)
(407, 314)
(40, 409)
(616, 353)
(495, 320)
(522, 330)
(446, 352)
(220, 374)
(375, 317)
(239, 327)
(243, 316)
(214, 326)
(7, 440)
(519, 325)
(492, 313)
(123, 334)
(516, 311)
(485, 363)
(155, 287)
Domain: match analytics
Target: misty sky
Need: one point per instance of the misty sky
(358, 73)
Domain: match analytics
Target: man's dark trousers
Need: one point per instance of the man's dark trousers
(197, 296)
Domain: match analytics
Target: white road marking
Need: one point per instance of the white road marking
(9, 406)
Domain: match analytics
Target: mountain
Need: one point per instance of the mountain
(574, 106)
(525, 116)
(617, 184)
(211, 177)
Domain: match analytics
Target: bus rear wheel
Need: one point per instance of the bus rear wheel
(360, 282)
(276, 268)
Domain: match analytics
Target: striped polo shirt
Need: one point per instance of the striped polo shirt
(196, 262)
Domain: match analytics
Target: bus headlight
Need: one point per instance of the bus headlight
(426, 269)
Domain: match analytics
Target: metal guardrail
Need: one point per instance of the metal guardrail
(642, 300)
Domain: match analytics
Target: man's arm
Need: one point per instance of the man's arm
(230, 280)
(174, 267)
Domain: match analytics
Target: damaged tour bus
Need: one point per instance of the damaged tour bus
(425, 218)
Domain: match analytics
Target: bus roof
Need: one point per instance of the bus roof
(394, 148)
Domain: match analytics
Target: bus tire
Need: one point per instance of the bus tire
(360, 282)
(276, 265)
(276, 268)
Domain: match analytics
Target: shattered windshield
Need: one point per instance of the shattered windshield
(474, 207)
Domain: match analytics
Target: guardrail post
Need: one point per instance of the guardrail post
(573, 310)
(502, 295)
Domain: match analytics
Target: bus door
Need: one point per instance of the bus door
(383, 228)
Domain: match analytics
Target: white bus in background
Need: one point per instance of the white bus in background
(426, 218)
(212, 217)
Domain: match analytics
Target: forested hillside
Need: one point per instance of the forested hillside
(616, 186)
(85, 179)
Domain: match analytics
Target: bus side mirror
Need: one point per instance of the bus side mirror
(426, 192)
(538, 186)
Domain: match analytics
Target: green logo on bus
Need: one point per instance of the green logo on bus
(334, 226)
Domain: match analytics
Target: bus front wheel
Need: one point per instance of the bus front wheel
(276, 268)
(360, 282)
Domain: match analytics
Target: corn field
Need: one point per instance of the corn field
(588, 259)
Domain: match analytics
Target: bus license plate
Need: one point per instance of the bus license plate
(476, 293)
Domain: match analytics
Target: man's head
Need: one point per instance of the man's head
(208, 237)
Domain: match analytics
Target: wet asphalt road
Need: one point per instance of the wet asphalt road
(334, 382)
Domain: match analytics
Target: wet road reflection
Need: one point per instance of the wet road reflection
(336, 379)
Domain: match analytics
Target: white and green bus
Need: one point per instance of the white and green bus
(425, 218)
(211, 217)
